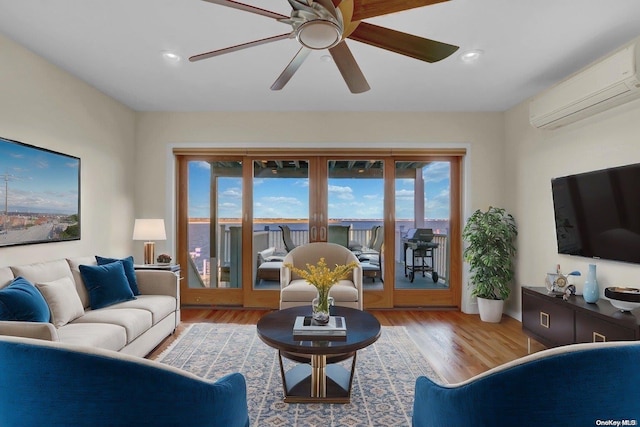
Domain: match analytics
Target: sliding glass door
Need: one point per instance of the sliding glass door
(239, 215)
(356, 211)
(211, 220)
(426, 230)
(280, 222)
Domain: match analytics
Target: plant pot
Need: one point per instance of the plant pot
(490, 309)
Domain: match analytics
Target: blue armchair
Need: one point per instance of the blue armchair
(52, 384)
(577, 385)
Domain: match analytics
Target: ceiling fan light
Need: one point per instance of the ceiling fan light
(471, 55)
(170, 56)
(318, 34)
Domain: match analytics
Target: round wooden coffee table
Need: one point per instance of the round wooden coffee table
(319, 378)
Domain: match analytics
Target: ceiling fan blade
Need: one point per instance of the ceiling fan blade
(291, 69)
(364, 9)
(218, 52)
(402, 43)
(247, 8)
(349, 68)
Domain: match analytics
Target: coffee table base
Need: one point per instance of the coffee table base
(318, 382)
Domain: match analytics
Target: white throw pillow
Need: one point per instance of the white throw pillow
(62, 299)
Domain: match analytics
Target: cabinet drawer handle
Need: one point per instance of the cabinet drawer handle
(544, 319)
(599, 337)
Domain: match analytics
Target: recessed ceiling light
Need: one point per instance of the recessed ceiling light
(326, 58)
(471, 55)
(170, 56)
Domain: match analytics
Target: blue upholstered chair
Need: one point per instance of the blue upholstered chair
(575, 385)
(53, 384)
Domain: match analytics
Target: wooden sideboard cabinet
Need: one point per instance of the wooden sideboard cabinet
(554, 321)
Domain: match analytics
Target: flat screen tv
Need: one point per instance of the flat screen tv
(597, 213)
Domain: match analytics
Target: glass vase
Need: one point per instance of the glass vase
(321, 309)
(591, 292)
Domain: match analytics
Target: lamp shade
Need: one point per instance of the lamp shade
(149, 229)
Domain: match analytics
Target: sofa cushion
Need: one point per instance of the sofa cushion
(107, 284)
(134, 321)
(62, 299)
(43, 271)
(22, 301)
(129, 271)
(81, 288)
(160, 306)
(102, 335)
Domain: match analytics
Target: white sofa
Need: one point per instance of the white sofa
(132, 327)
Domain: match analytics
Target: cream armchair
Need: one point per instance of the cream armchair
(295, 291)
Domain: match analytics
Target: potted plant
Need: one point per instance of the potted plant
(490, 236)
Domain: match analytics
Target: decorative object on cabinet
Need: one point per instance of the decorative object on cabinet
(554, 322)
(625, 299)
(490, 236)
(149, 230)
(557, 282)
(44, 216)
(569, 292)
(591, 291)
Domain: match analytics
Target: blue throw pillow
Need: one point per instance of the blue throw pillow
(106, 284)
(22, 301)
(129, 271)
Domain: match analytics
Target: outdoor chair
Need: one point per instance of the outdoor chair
(357, 246)
(339, 234)
(286, 238)
(370, 259)
(372, 254)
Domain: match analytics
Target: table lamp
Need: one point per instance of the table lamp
(149, 230)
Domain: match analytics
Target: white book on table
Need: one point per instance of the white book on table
(304, 325)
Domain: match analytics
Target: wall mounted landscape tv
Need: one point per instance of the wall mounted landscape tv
(597, 213)
(39, 195)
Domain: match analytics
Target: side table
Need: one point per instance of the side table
(165, 267)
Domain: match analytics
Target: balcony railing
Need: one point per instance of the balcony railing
(361, 236)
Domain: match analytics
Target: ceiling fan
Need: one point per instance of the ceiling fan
(326, 24)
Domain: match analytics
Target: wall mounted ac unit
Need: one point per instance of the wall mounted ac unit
(604, 84)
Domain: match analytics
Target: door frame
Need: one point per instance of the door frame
(388, 297)
(450, 297)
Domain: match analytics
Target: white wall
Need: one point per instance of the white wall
(46, 107)
(482, 133)
(535, 156)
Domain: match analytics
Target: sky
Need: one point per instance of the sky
(348, 198)
(37, 180)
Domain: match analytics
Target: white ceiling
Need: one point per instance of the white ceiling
(116, 47)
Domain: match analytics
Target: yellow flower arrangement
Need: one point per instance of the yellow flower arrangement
(323, 278)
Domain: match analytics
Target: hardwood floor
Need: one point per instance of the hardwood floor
(457, 345)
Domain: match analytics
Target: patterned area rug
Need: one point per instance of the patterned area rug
(383, 385)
